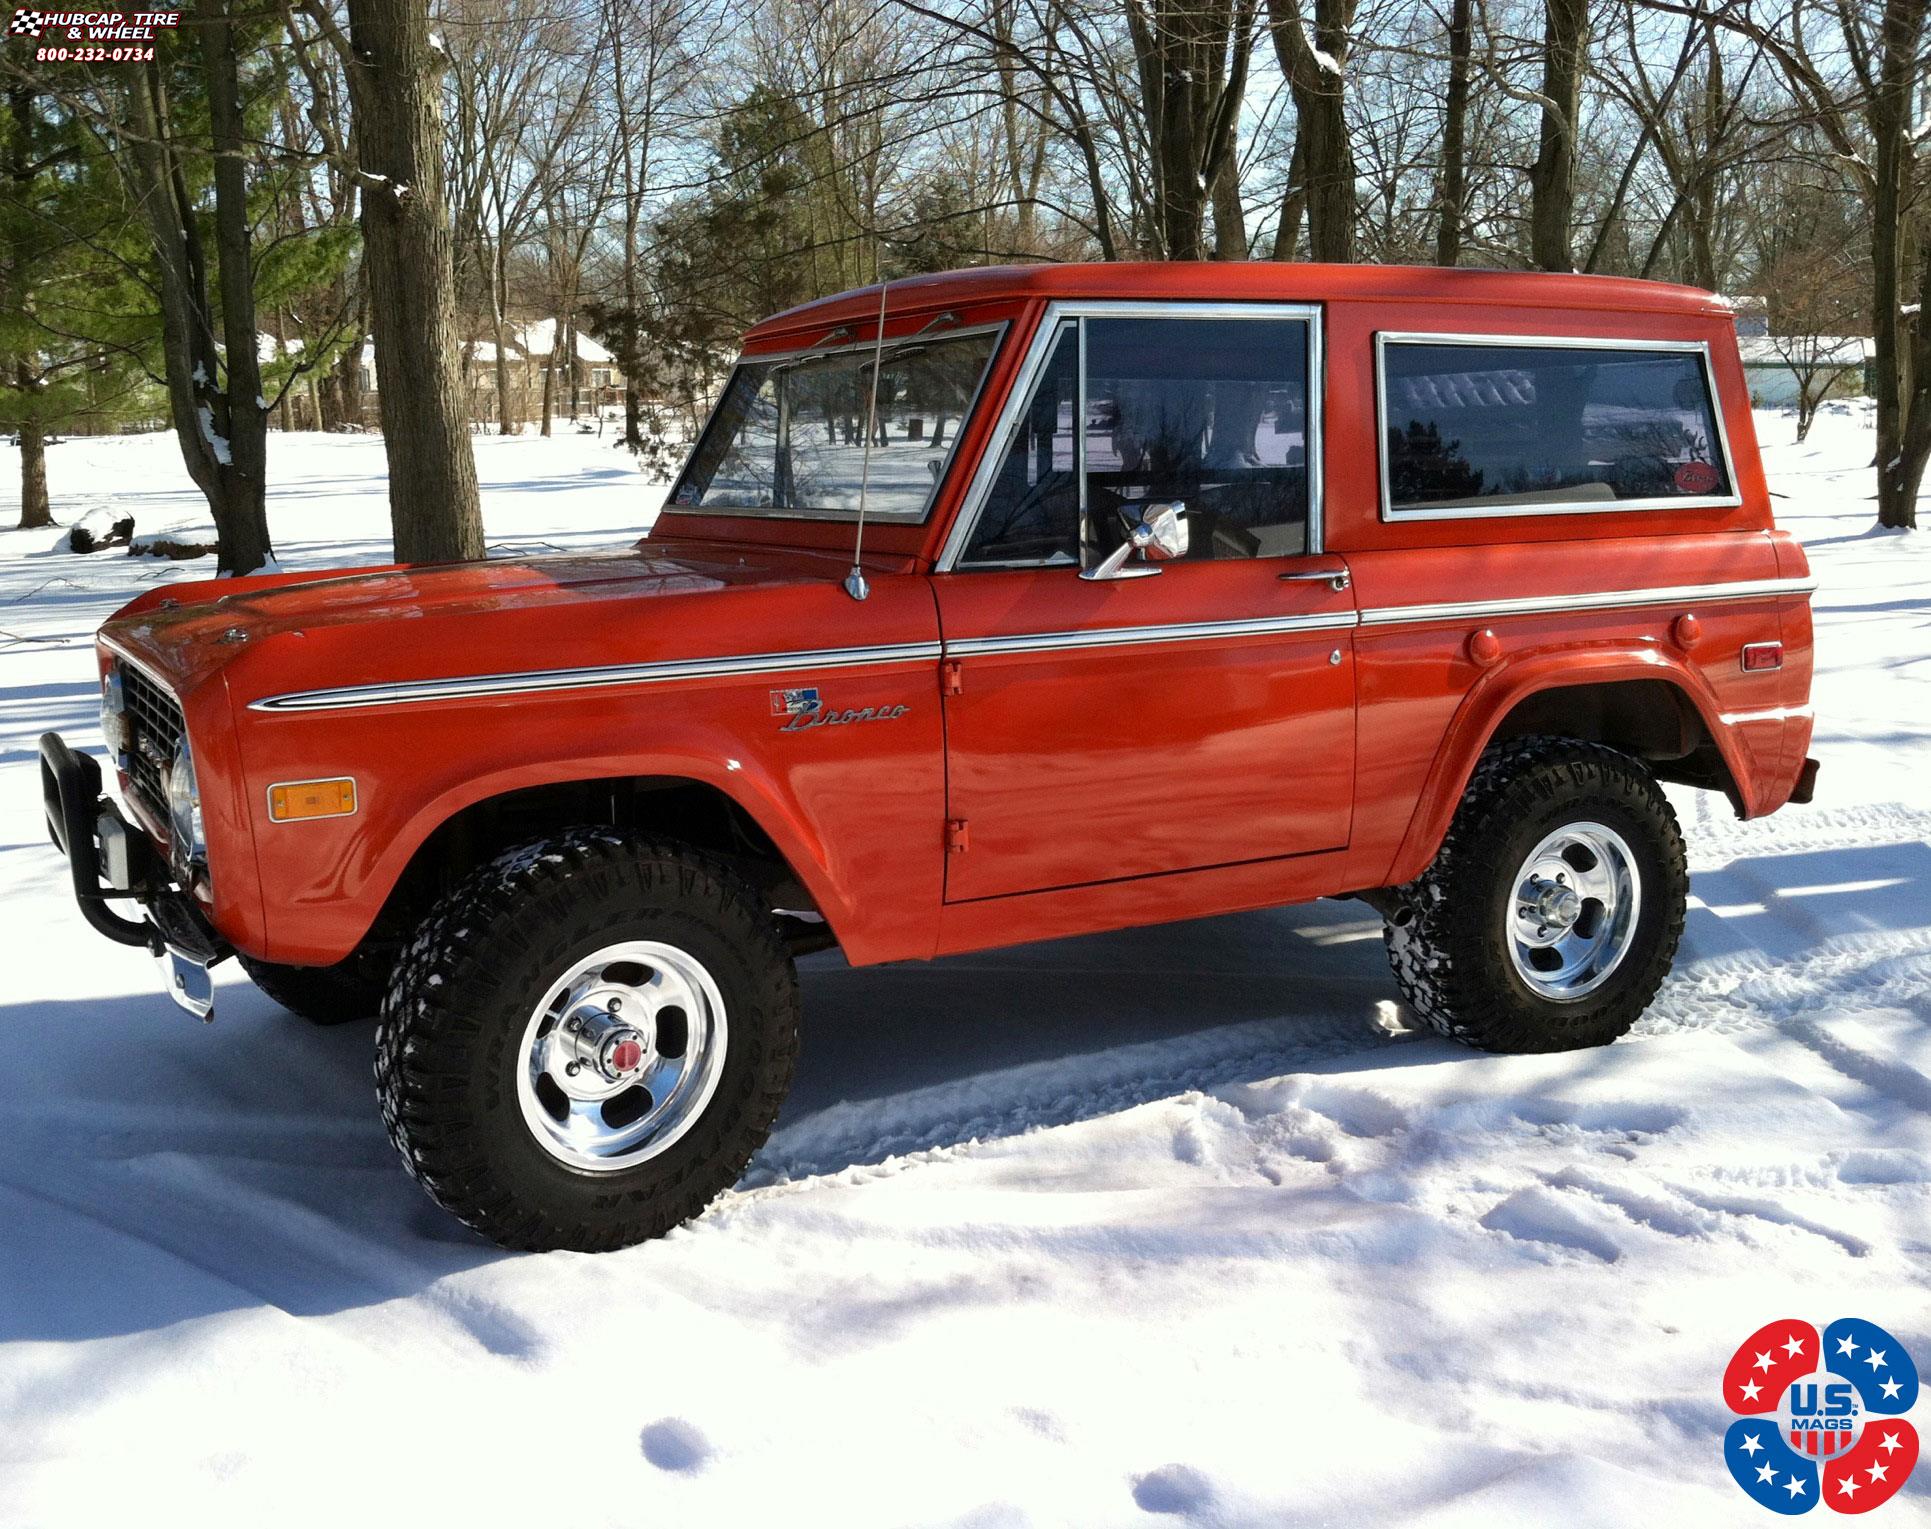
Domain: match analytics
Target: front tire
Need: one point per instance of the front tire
(1551, 915)
(586, 1041)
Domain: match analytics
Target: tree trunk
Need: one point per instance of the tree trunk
(1316, 68)
(228, 472)
(408, 264)
(549, 378)
(283, 405)
(1190, 87)
(239, 412)
(570, 365)
(1552, 179)
(1901, 439)
(1230, 218)
(1900, 477)
(1287, 232)
(1453, 192)
(34, 508)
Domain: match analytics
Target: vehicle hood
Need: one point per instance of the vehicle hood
(533, 611)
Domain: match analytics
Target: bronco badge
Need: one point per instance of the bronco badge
(803, 709)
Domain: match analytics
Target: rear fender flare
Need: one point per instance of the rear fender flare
(1501, 689)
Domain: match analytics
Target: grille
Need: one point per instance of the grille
(154, 726)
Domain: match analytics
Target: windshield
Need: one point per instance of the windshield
(788, 436)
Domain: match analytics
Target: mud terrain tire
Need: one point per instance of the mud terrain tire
(458, 1017)
(1451, 945)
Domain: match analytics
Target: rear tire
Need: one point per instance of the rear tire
(1551, 915)
(322, 995)
(511, 1079)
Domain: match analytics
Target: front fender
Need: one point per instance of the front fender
(849, 807)
(1505, 686)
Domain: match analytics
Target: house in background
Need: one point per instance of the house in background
(531, 350)
(1778, 368)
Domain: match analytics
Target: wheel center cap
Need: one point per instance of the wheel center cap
(595, 1040)
(1558, 905)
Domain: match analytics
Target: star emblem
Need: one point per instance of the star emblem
(1847, 1485)
(1875, 1359)
(1766, 1473)
(1792, 1347)
(1890, 1446)
(1750, 1445)
(1794, 1486)
(1890, 1388)
(1750, 1390)
(1763, 1360)
(1877, 1472)
(1847, 1345)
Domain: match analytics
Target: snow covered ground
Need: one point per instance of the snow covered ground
(1164, 1226)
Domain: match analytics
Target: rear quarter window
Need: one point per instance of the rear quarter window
(1475, 426)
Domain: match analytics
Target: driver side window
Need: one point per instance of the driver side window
(1211, 413)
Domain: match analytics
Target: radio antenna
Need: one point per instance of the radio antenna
(855, 584)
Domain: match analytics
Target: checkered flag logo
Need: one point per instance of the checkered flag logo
(27, 23)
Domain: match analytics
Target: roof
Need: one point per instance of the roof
(539, 339)
(1249, 281)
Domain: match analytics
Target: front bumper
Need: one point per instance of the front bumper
(112, 861)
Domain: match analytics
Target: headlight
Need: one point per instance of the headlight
(185, 826)
(113, 714)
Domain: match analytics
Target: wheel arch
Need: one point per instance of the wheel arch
(1651, 706)
(757, 838)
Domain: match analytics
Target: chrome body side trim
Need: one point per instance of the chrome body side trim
(1077, 311)
(1135, 636)
(1596, 600)
(477, 686)
(1699, 348)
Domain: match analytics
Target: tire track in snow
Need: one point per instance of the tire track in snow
(1042, 1094)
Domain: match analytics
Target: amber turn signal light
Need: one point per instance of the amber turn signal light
(297, 799)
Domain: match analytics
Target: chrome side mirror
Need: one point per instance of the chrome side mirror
(1156, 531)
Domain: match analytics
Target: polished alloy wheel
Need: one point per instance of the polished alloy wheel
(622, 1055)
(1573, 911)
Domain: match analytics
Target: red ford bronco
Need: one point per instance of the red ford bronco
(995, 606)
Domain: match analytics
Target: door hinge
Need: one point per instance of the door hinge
(955, 836)
(951, 677)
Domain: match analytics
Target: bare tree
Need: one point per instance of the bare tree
(1314, 60)
(1814, 297)
(208, 334)
(1452, 198)
(1192, 61)
(394, 70)
(1855, 71)
(1552, 179)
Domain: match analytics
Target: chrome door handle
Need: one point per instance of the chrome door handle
(1336, 579)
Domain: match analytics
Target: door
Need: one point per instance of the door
(1163, 721)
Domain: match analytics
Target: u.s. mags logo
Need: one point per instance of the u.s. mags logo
(1822, 1417)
